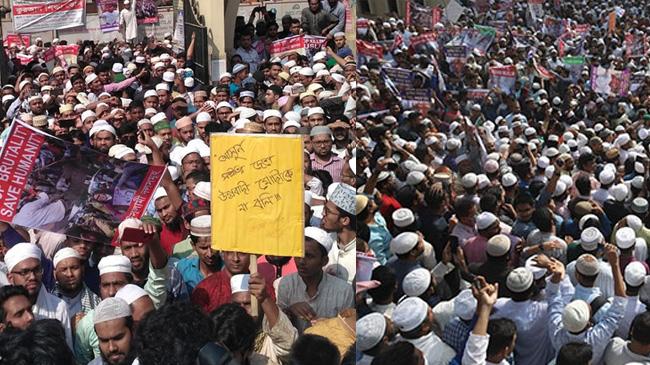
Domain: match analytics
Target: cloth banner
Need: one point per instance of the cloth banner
(503, 77)
(314, 44)
(370, 50)
(67, 53)
(453, 11)
(424, 43)
(401, 78)
(553, 26)
(31, 16)
(609, 81)
(257, 194)
(109, 15)
(17, 38)
(635, 45)
(637, 80)
(52, 185)
(456, 57)
(477, 94)
(536, 9)
(146, 11)
(419, 15)
(283, 47)
(478, 38)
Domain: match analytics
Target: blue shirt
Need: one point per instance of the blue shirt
(380, 239)
(190, 271)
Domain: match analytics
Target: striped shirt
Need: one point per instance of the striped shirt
(334, 165)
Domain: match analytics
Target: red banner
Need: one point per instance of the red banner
(52, 185)
(369, 49)
(15, 38)
(283, 47)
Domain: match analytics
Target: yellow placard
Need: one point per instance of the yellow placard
(257, 193)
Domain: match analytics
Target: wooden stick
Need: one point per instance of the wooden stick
(252, 268)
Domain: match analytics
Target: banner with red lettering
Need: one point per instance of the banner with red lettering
(285, 46)
(67, 53)
(18, 39)
(370, 50)
(314, 44)
(636, 45)
(607, 81)
(32, 16)
(503, 77)
(52, 185)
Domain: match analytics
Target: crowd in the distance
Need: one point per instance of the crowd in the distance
(166, 296)
(508, 224)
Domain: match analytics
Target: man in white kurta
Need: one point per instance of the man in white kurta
(24, 266)
(128, 22)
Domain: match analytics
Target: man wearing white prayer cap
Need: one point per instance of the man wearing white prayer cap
(24, 268)
(419, 283)
(374, 331)
(113, 325)
(139, 301)
(206, 259)
(69, 273)
(475, 248)
(403, 218)
(635, 275)
(582, 271)
(456, 332)
(577, 321)
(335, 294)
(339, 217)
(414, 320)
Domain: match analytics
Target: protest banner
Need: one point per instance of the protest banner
(67, 53)
(18, 39)
(401, 78)
(453, 11)
(412, 98)
(424, 43)
(637, 80)
(542, 71)
(611, 22)
(109, 15)
(553, 26)
(536, 9)
(52, 185)
(635, 45)
(477, 39)
(146, 11)
(574, 65)
(456, 57)
(30, 16)
(482, 6)
(503, 77)
(314, 44)
(419, 14)
(609, 81)
(257, 193)
(369, 50)
(286, 46)
(477, 94)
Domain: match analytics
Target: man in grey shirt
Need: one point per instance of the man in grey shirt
(316, 21)
(336, 8)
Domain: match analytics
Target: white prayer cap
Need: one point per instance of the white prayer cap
(117, 67)
(239, 283)
(188, 82)
(625, 237)
(290, 123)
(173, 170)
(543, 162)
(538, 272)
(551, 152)
(200, 146)
(110, 309)
(465, 305)
(319, 236)
(224, 75)
(414, 178)
(142, 122)
(371, 329)
(201, 226)
(168, 76)
(268, 113)
(509, 180)
(158, 65)
(314, 111)
(99, 127)
(319, 56)
(162, 86)
(224, 104)
(575, 316)
(20, 252)
(87, 114)
(238, 68)
(484, 220)
(410, 313)
(403, 217)
(619, 192)
(114, 263)
(491, 166)
(639, 205)
(307, 71)
(203, 117)
(343, 197)
(469, 180)
(404, 242)
(130, 293)
(637, 181)
(159, 193)
(590, 238)
(622, 140)
(498, 245)
(483, 181)
(634, 222)
(519, 280)
(635, 274)
(90, 78)
(585, 218)
(606, 176)
(587, 265)
(202, 189)
(65, 253)
(416, 282)
(640, 169)
(179, 153)
(150, 94)
(560, 188)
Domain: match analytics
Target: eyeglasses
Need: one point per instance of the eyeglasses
(323, 143)
(328, 212)
(37, 271)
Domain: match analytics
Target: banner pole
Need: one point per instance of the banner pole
(252, 267)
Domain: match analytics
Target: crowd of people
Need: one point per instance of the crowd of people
(161, 293)
(501, 225)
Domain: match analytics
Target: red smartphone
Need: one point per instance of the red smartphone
(135, 235)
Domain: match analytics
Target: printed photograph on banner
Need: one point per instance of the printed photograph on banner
(109, 15)
(146, 11)
(52, 185)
